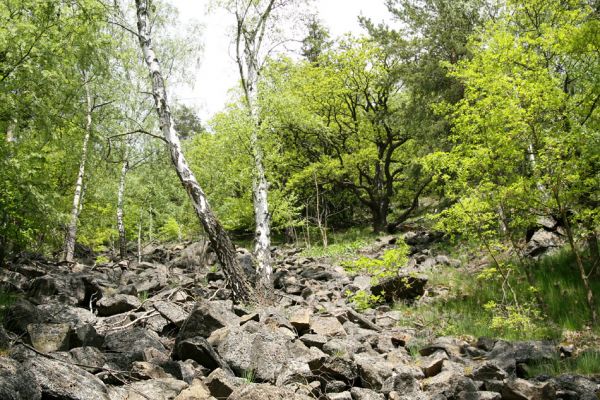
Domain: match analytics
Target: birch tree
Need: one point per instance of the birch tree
(254, 24)
(224, 248)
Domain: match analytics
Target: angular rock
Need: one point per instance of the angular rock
(332, 368)
(300, 319)
(144, 370)
(117, 304)
(49, 338)
(91, 357)
(584, 388)
(155, 389)
(339, 396)
(19, 315)
(221, 384)
(205, 318)
(488, 371)
(196, 391)
(199, 350)
(133, 343)
(313, 340)
(405, 287)
(172, 312)
(265, 392)
(326, 326)
(16, 382)
(59, 380)
(373, 371)
(365, 394)
(479, 395)
(263, 350)
(67, 289)
(432, 365)
(403, 383)
(58, 313)
(520, 389)
(85, 335)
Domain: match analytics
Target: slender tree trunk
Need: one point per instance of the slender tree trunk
(260, 188)
(322, 226)
(582, 272)
(139, 237)
(120, 222)
(224, 248)
(76, 207)
(592, 241)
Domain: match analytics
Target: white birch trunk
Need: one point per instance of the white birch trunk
(262, 218)
(219, 239)
(248, 41)
(10, 131)
(76, 207)
(120, 199)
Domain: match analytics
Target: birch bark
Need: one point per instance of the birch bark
(224, 248)
(249, 38)
(120, 198)
(76, 207)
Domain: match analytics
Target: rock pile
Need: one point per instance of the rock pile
(164, 328)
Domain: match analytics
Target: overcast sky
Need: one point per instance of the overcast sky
(208, 90)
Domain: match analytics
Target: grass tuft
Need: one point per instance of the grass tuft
(587, 363)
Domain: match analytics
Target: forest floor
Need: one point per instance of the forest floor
(164, 328)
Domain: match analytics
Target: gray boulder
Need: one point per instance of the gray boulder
(19, 315)
(199, 350)
(205, 318)
(59, 380)
(117, 304)
(404, 286)
(49, 338)
(131, 345)
(261, 349)
(16, 382)
(265, 392)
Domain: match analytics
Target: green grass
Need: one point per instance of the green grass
(6, 299)
(462, 313)
(560, 285)
(587, 363)
(342, 245)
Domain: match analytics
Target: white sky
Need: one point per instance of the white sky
(217, 73)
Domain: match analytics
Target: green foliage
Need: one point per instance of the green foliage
(171, 230)
(143, 296)
(102, 259)
(248, 375)
(388, 266)
(474, 308)
(343, 245)
(363, 300)
(586, 363)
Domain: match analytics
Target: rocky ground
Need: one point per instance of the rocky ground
(164, 328)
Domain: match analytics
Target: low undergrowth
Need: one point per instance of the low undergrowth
(586, 363)
(463, 304)
(342, 245)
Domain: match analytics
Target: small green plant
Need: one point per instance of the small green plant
(378, 269)
(339, 353)
(363, 300)
(143, 296)
(102, 259)
(248, 375)
(6, 299)
(386, 267)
